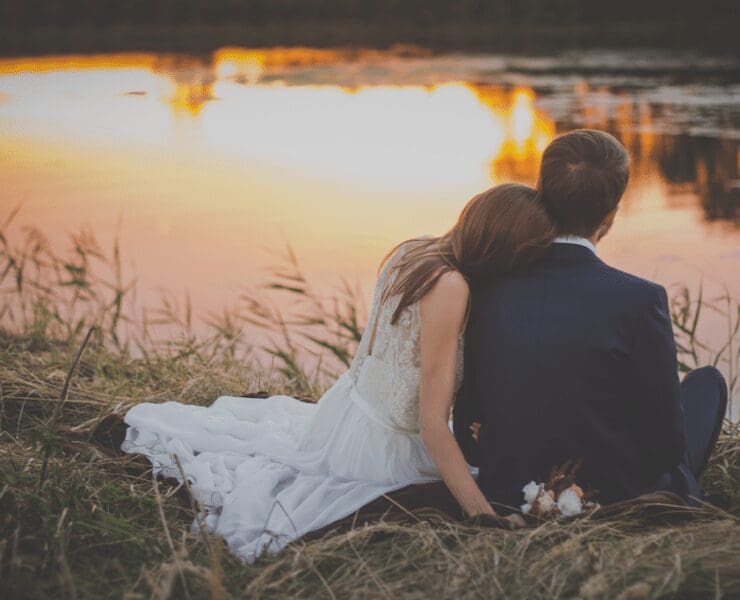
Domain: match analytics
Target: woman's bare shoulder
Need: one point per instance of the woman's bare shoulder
(453, 282)
(451, 291)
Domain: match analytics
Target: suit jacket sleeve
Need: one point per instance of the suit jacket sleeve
(466, 409)
(657, 407)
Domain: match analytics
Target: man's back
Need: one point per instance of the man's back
(570, 360)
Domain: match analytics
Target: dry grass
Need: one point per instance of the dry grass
(99, 527)
(79, 520)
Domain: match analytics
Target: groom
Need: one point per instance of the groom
(574, 359)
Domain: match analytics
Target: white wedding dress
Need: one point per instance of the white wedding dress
(268, 471)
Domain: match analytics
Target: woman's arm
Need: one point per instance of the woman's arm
(443, 312)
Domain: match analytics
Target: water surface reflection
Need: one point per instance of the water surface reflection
(206, 164)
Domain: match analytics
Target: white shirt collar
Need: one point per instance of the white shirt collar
(575, 239)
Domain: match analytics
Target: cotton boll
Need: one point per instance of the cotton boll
(526, 508)
(569, 504)
(530, 491)
(546, 503)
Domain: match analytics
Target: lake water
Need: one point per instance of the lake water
(206, 166)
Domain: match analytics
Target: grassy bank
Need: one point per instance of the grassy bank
(78, 519)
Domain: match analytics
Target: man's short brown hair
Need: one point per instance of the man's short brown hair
(583, 175)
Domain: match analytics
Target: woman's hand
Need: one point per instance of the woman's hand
(513, 521)
(475, 431)
(443, 312)
(516, 520)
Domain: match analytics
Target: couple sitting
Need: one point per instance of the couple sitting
(542, 352)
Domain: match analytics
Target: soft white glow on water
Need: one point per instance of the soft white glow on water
(99, 106)
(383, 136)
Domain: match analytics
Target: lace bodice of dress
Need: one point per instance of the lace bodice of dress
(389, 377)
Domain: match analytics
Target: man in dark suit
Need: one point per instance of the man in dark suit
(573, 359)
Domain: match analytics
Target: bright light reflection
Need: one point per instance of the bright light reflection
(384, 135)
(393, 135)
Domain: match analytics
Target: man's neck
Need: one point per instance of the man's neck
(578, 240)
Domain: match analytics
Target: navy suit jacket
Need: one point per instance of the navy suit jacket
(571, 359)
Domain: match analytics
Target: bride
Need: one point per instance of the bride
(267, 471)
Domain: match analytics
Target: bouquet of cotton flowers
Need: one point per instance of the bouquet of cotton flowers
(560, 496)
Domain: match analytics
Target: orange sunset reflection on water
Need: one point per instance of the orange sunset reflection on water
(205, 166)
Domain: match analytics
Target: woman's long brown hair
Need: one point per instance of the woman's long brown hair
(499, 231)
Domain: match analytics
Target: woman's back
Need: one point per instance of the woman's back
(370, 417)
(387, 367)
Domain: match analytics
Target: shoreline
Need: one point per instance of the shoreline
(714, 37)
